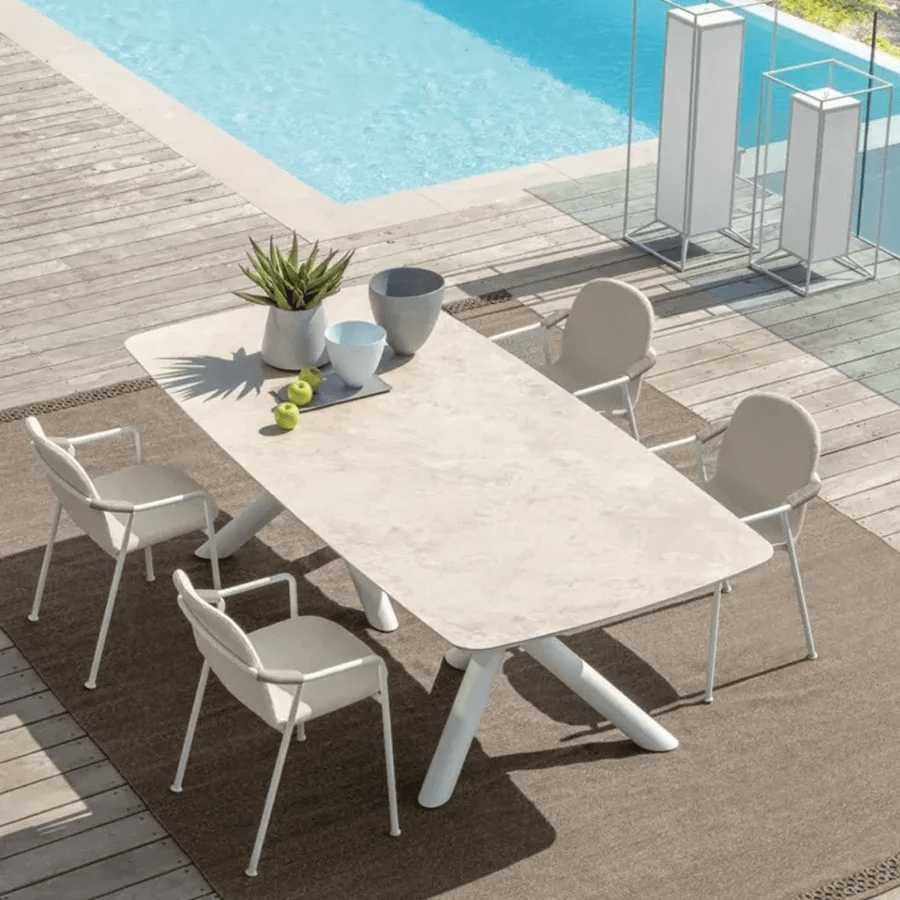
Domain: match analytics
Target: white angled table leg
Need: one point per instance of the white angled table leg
(376, 603)
(243, 526)
(594, 689)
(460, 728)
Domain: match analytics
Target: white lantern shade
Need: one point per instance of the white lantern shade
(820, 173)
(698, 147)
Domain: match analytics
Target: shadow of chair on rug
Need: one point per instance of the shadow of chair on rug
(328, 826)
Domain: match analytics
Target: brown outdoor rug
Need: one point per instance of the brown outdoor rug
(787, 783)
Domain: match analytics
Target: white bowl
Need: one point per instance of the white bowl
(355, 349)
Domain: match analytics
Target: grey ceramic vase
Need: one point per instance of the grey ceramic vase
(294, 339)
(406, 303)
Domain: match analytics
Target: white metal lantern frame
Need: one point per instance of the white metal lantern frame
(656, 229)
(780, 78)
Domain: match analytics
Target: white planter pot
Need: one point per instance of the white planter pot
(294, 339)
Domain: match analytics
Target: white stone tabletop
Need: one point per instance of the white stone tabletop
(485, 499)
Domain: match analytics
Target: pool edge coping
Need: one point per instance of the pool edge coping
(259, 180)
(274, 190)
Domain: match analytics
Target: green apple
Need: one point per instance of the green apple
(300, 392)
(287, 416)
(312, 376)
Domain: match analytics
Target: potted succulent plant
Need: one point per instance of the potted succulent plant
(294, 337)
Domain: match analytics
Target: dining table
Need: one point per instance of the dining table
(494, 506)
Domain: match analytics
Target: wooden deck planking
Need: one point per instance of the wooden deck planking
(864, 431)
(717, 368)
(795, 386)
(30, 708)
(78, 850)
(856, 411)
(179, 884)
(49, 732)
(70, 828)
(885, 382)
(105, 875)
(45, 828)
(836, 397)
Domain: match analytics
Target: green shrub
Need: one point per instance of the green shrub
(836, 15)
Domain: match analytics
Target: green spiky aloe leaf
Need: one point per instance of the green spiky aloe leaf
(288, 284)
(261, 262)
(253, 298)
(294, 254)
(310, 262)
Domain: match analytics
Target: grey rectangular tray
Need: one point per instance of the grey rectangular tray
(334, 390)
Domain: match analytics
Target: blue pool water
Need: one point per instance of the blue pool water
(361, 98)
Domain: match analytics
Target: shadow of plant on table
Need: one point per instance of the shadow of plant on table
(214, 376)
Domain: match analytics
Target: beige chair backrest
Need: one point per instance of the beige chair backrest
(609, 328)
(61, 466)
(770, 448)
(227, 650)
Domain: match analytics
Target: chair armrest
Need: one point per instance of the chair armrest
(794, 500)
(279, 676)
(596, 388)
(265, 582)
(170, 501)
(694, 441)
(671, 445)
(633, 371)
(708, 432)
(545, 322)
(294, 676)
(124, 506)
(555, 318)
(523, 330)
(766, 513)
(703, 436)
(545, 331)
(113, 506)
(642, 365)
(805, 494)
(79, 440)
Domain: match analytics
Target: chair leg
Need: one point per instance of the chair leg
(801, 597)
(192, 726)
(629, 409)
(726, 587)
(45, 565)
(91, 683)
(388, 751)
(301, 731)
(148, 564)
(252, 866)
(212, 545)
(713, 643)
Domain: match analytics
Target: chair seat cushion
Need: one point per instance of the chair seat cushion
(142, 484)
(310, 643)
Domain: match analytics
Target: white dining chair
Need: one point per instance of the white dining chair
(288, 674)
(123, 511)
(605, 350)
(766, 474)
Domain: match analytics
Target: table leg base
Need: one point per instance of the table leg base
(243, 526)
(595, 690)
(472, 696)
(460, 728)
(376, 603)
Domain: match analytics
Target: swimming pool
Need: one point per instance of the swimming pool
(368, 97)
